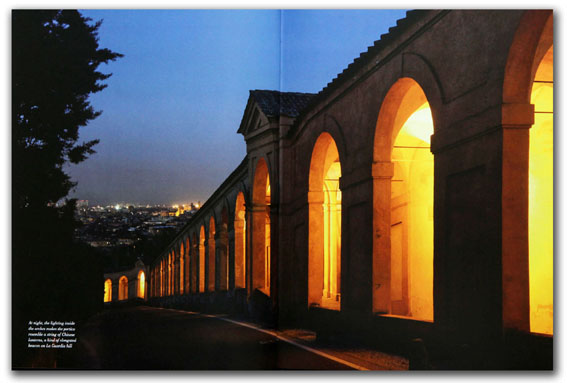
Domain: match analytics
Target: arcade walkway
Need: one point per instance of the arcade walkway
(152, 338)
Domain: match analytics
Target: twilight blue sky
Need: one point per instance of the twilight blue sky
(175, 100)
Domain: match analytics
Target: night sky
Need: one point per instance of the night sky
(175, 100)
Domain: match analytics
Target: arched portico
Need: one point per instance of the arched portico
(527, 177)
(261, 233)
(202, 267)
(325, 212)
(187, 267)
(211, 255)
(181, 268)
(141, 290)
(240, 242)
(403, 203)
(108, 290)
(123, 288)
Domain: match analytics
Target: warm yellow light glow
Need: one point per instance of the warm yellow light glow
(123, 288)
(325, 225)
(202, 260)
(260, 248)
(108, 290)
(420, 124)
(182, 270)
(267, 256)
(540, 221)
(240, 242)
(141, 285)
(212, 255)
(412, 218)
(332, 234)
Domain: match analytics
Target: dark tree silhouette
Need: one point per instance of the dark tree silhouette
(55, 56)
(55, 60)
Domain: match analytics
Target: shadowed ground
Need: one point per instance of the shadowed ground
(150, 338)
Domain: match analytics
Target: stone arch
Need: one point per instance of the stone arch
(170, 260)
(162, 277)
(260, 265)
(123, 288)
(181, 267)
(324, 197)
(403, 203)
(201, 259)
(211, 254)
(240, 241)
(108, 290)
(527, 151)
(194, 263)
(141, 290)
(187, 266)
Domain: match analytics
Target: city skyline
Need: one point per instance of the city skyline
(175, 100)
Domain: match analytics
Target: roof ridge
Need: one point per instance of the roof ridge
(275, 103)
(364, 57)
(279, 91)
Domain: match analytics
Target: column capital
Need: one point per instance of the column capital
(258, 208)
(517, 116)
(316, 197)
(382, 170)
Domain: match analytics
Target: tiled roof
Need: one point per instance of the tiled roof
(274, 103)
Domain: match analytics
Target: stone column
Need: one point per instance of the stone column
(221, 243)
(258, 247)
(176, 275)
(316, 247)
(231, 259)
(382, 173)
(517, 119)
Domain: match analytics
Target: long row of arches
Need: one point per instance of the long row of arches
(403, 172)
(123, 286)
(420, 260)
(201, 261)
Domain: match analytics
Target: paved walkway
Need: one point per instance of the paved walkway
(152, 338)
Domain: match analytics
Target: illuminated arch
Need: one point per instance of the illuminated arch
(170, 273)
(540, 211)
(181, 268)
(403, 203)
(162, 277)
(211, 254)
(202, 260)
(325, 224)
(195, 264)
(527, 177)
(174, 272)
(240, 242)
(187, 267)
(123, 288)
(108, 290)
(261, 233)
(141, 285)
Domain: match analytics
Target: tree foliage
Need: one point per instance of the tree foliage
(55, 60)
(54, 70)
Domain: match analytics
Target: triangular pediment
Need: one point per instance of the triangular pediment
(266, 106)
